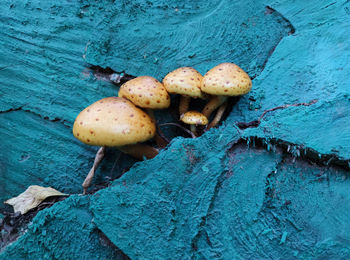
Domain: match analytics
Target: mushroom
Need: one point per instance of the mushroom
(147, 92)
(222, 81)
(114, 122)
(218, 116)
(185, 81)
(194, 118)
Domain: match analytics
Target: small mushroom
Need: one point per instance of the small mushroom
(194, 118)
(185, 81)
(222, 81)
(114, 122)
(147, 92)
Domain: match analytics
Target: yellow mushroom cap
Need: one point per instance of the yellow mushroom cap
(184, 81)
(113, 121)
(194, 118)
(226, 79)
(146, 92)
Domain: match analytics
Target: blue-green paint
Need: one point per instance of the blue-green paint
(154, 38)
(311, 64)
(65, 231)
(197, 198)
(36, 151)
(172, 194)
(44, 76)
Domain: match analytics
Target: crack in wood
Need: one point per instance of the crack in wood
(56, 119)
(256, 123)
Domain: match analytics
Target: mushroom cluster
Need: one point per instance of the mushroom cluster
(127, 121)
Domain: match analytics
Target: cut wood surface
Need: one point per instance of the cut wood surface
(276, 190)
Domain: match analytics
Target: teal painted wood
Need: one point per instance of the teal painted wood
(43, 72)
(311, 64)
(154, 38)
(41, 64)
(65, 231)
(282, 209)
(44, 85)
(197, 198)
(39, 152)
(163, 201)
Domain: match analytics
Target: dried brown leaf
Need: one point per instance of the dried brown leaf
(32, 197)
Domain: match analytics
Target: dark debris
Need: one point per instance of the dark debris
(15, 224)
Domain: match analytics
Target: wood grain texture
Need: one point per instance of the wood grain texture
(154, 38)
(197, 198)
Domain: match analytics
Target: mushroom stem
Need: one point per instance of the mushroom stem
(160, 141)
(184, 104)
(218, 115)
(98, 158)
(193, 129)
(139, 151)
(213, 104)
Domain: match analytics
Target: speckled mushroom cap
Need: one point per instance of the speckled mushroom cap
(226, 79)
(184, 81)
(113, 121)
(145, 92)
(194, 118)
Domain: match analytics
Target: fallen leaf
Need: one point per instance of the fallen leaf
(32, 197)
